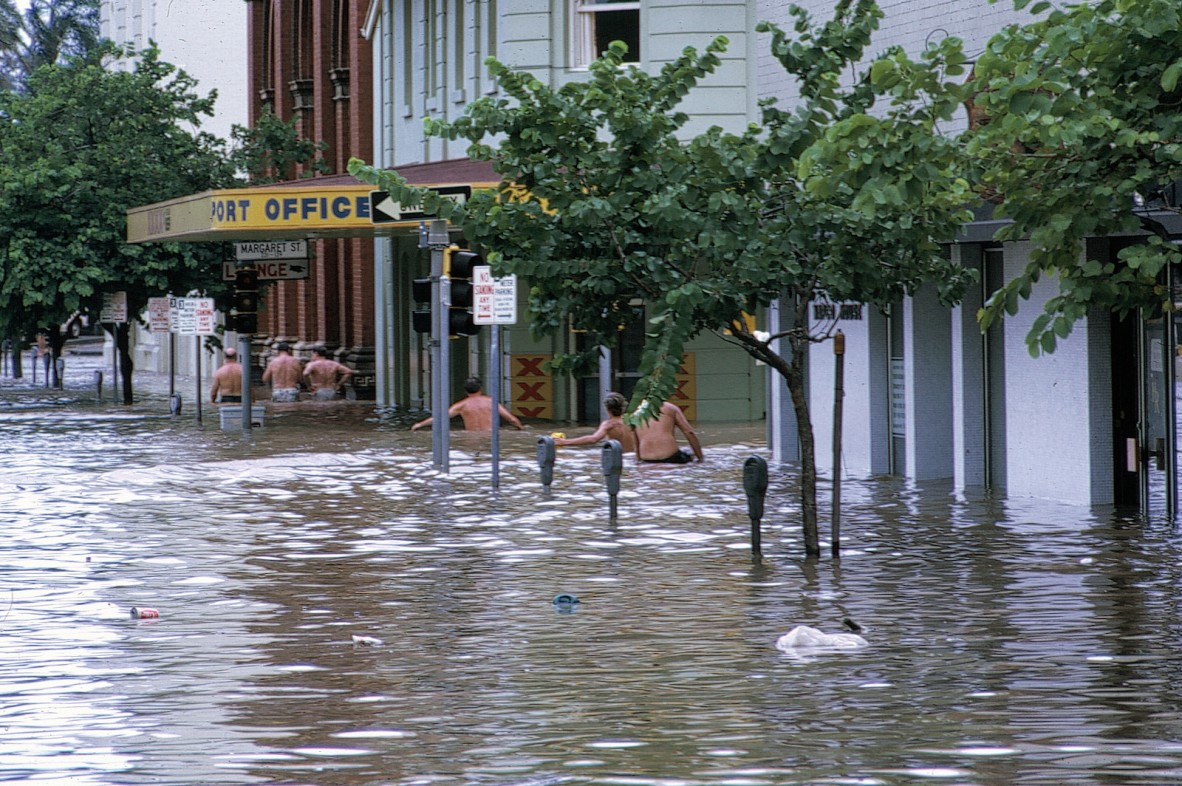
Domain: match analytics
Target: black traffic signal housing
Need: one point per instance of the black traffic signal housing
(457, 265)
(246, 300)
(420, 317)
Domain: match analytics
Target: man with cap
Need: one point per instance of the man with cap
(325, 376)
(227, 380)
(284, 372)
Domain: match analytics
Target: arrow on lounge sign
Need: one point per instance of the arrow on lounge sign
(383, 209)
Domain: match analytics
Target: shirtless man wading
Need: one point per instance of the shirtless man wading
(612, 428)
(325, 376)
(656, 443)
(475, 410)
(284, 372)
(227, 380)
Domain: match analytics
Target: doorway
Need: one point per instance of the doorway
(1145, 409)
(625, 368)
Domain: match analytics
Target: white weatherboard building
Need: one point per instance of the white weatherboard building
(928, 397)
(428, 63)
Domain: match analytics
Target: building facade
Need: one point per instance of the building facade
(307, 62)
(931, 398)
(207, 40)
(429, 63)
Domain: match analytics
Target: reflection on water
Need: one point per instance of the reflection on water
(1009, 642)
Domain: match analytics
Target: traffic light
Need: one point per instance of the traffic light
(246, 300)
(420, 318)
(457, 265)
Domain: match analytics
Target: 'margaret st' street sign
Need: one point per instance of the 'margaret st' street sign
(252, 251)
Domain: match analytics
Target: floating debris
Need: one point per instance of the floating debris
(802, 637)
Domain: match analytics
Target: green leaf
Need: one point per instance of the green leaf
(1169, 77)
(1047, 342)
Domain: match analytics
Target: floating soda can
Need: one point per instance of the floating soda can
(144, 613)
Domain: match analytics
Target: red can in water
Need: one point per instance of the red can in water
(143, 613)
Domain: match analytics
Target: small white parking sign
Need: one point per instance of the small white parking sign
(494, 300)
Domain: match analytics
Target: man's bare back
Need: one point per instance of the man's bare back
(324, 375)
(475, 410)
(656, 443)
(227, 380)
(284, 371)
(612, 428)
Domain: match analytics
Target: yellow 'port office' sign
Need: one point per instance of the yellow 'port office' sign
(259, 213)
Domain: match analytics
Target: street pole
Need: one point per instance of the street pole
(494, 390)
(244, 343)
(606, 383)
(197, 398)
(838, 395)
(445, 373)
(437, 241)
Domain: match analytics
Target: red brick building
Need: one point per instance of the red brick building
(308, 61)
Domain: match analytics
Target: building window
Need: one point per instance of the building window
(599, 22)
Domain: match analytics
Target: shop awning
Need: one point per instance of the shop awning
(331, 206)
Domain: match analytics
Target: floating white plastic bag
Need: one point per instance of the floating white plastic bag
(802, 637)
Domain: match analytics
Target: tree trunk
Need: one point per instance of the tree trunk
(122, 346)
(808, 448)
(792, 370)
(18, 348)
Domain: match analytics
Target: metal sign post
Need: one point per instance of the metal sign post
(494, 390)
(494, 303)
(244, 357)
(197, 398)
(437, 241)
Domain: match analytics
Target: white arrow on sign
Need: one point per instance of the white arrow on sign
(383, 208)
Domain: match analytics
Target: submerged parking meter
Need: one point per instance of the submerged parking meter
(546, 460)
(613, 466)
(755, 485)
(174, 403)
(98, 385)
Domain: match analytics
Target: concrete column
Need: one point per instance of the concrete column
(927, 341)
(968, 380)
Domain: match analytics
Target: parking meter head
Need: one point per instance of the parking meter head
(546, 455)
(755, 485)
(612, 460)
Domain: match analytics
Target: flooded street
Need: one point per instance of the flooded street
(333, 611)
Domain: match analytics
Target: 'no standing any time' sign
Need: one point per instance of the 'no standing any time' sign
(494, 300)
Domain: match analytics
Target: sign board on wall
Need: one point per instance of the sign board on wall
(158, 314)
(114, 307)
(192, 316)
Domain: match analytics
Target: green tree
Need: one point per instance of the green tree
(78, 147)
(49, 32)
(272, 150)
(1082, 122)
(845, 197)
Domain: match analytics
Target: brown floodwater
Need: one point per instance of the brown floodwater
(332, 610)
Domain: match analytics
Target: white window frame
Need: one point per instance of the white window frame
(583, 14)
